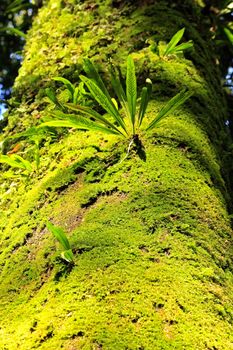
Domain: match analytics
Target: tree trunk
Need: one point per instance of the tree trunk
(152, 239)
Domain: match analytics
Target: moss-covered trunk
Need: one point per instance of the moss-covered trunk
(152, 239)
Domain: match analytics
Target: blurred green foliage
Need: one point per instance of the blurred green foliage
(15, 19)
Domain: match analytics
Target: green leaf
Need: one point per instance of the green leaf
(92, 73)
(24, 162)
(174, 41)
(182, 47)
(14, 3)
(119, 91)
(131, 89)
(18, 5)
(51, 95)
(117, 86)
(60, 235)
(76, 95)
(60, 123)
(170, 106)
(78, 122)
(67, 83)
(32, 133)
(114, 101)
(14, 31)
(10, 161)
(93, 114)
(145, 96)
(103, 100)
(229, 34)
(67, 255)
(15, 161)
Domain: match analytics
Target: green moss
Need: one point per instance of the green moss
(152, 240)
(140, 235)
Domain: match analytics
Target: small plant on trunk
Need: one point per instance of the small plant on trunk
(60, 235)
(125, 122)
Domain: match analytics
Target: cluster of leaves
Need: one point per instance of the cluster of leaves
(125, 122)
(76, 94)
(33, 138)
(121, 116)
(16, 161)
(173, 47)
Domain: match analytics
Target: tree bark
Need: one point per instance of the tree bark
(152, 239)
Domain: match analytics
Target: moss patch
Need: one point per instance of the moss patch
(153, 264)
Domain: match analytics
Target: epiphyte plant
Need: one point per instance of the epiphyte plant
(173, 47)
(16, 161)
(126, 122)
(60, 235)
(77, 94)
(32, 136)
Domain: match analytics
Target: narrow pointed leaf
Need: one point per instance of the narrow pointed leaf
(103, 100)
(174, 41)
(119, 91)
(182, 47)
(76, 95)
(14, 4)
(93, 74)
(81, 123)
(229, 34)
(67, 83)
(27, 165)
(93, 114)
(117, 86)
(131, 89)
(8, 160)
(60, 124)
(170, 106)
(16, 161)
(143, 105)
(67, 255)
(29, 133)
(114, 101)
(51, 95)
(145, 96)
(14, 31)
(87, 111)
(60, 235)
(17, 6)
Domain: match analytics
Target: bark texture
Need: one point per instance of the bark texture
(152, 239)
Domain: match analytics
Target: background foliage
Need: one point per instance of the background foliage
(15, 19)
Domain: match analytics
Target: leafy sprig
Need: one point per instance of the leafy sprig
(173, 47)
(125, 122)
(16, 161)
(60, 235)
